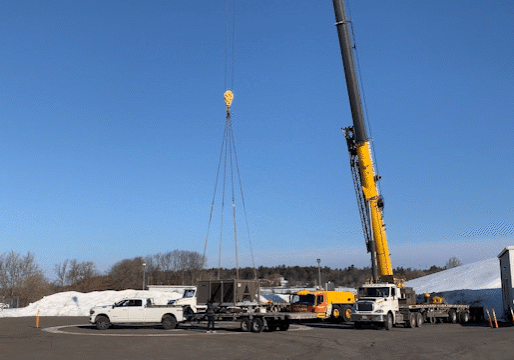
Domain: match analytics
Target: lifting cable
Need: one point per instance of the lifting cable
(228, 154)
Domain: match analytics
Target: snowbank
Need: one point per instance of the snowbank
(73, 303)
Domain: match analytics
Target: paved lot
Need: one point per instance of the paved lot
(73, 338)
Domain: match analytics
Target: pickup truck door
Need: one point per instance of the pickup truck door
(120, 312)
(137, 311)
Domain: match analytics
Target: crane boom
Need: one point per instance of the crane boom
(364, 176)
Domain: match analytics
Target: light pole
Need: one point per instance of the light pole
(144, 275)
(319, 273)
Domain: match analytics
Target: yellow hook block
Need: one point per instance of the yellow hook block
(228, 96)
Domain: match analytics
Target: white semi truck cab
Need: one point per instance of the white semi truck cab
(378, 304)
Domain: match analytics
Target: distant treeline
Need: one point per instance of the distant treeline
(22, 279)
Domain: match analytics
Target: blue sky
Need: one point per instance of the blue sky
(111, 120)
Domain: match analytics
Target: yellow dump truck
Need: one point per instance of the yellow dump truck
(323, 304)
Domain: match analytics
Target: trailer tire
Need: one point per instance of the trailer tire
(102, 322)
(419, 319)
(411, 322)
(388, 324)
(246, 325)
(284, 325)
(169, 322)
(464, 317)
(257, 325)
(452, 316)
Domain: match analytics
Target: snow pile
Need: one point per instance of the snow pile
(474, 284)
(483, 274)
(74, 303)
(478, 283)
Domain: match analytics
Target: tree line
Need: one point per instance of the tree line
(22, 279)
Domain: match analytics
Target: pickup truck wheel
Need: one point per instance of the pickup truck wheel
(284, 325)
(246, 325)
(257, 325)
(103, 323)
(169, 322)
(388, 325)
(419, 319)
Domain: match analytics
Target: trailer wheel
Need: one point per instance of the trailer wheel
(257, 325)
(411, 322)
(419, 319)
(284, 325)
(464, 317)
(169, 322)
(246, 325)
(388, 325)
(452, 316)
(103, 323)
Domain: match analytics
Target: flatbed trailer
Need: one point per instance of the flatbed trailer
(451, 313)
(256, 321)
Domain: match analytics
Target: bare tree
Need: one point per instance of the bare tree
(20, 276)
(453, 262)
(80, 271)
(61, 270)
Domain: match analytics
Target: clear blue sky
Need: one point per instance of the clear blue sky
(111, 120)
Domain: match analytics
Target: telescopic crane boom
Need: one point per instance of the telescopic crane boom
(365, 179)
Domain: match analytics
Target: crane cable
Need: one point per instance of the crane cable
(228, 154)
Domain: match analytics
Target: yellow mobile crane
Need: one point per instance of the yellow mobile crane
(365, 179)
(384, 301)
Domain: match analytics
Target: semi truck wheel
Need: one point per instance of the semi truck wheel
(412, 320)
(346, 313)
(388, 325)
(169, 322)
(103, 323)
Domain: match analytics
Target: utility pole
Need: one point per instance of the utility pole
(319, 274)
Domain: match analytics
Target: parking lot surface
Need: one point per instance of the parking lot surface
(74, 338)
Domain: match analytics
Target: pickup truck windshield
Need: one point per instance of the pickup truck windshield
(188, 293)
(374, 292)
(308, 299)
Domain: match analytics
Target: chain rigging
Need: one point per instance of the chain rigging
(228, 166)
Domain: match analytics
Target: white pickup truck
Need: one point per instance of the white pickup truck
(136, 311)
